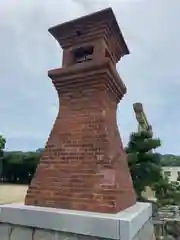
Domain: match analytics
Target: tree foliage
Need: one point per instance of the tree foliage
(2, 143)
(19, 167)
(170, 160)
(144, 164)
(146, 169)
(166, 192)
(2, 146)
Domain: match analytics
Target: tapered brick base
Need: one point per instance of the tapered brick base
(84, 166)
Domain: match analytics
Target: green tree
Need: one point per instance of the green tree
(2, 146)
(146, 170)
(166, 192)
(19, 167)
(144, 164)
(170, 160)
(178, 177)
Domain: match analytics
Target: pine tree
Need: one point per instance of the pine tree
(2, 146)
(144, 164)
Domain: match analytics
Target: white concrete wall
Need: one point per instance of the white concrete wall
(22, 222)
(146, 232)
(173, 172)
(13, 232)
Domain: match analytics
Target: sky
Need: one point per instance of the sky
(28, 100)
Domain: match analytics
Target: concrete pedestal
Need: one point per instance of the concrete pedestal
(21, 222)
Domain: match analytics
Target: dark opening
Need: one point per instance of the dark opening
(78, 33)
(83, 54)
(107, 54)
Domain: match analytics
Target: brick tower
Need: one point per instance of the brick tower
(84, 166)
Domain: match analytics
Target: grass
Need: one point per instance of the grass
(10, 193)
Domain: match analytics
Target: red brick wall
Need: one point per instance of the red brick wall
(84, 166)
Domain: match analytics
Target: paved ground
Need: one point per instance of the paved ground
(12, 193)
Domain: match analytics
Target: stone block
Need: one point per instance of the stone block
(21, 233)
(131, 224)
(40, 234)
(146, 232)
(5, 231)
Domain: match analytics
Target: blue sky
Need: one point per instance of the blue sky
(28, 101)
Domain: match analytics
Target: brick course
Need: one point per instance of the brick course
(84, 166)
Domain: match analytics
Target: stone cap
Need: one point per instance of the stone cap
(99, 25)
(141, 116)
(138, 107)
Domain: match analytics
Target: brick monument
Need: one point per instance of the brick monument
(82, 187)
(84, 166)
